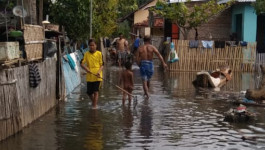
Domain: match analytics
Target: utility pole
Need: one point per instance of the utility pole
(91, 7)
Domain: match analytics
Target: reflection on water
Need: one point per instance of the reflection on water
(127, 121)
(145, 127)
(94, 138)
(177, 116)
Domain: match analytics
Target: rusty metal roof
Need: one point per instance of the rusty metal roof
(225, 1)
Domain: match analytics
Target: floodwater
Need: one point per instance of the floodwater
(177, 116)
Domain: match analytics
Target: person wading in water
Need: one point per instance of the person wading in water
(144, 59)
(122, 47)
(93, 65)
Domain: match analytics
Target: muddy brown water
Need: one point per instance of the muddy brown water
(177, 116)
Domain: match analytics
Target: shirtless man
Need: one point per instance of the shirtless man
(127, 82)
(144, 59)
(122, 46)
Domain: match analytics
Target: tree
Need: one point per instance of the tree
(74, 15)
(104, 17)
(259, 6)
(126, 6)
(141, 2)
(189, 18)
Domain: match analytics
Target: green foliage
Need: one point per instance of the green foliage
(123, 28)
(8, 4)
(141, 2)
(259, 6)
(74, 15)
(104, 17)
(189, 18)
(126, 6)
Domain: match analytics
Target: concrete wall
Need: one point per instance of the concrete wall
(140, 16)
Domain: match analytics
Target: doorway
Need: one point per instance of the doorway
(261, 34)
(239, 27)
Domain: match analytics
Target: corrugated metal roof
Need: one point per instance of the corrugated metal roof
(225, 1)
(179, 1)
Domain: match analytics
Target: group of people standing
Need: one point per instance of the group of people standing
(93, 64)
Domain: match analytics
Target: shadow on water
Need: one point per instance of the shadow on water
(177, 116)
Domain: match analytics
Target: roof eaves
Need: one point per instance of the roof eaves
(142, 6)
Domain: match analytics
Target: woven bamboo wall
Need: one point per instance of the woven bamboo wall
(197, 59)
(21, 104)
(34, 38)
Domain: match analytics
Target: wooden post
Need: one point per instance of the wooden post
(40, 11)
(59, 71)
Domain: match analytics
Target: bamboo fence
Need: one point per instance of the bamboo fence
(20, 104)
(238, 58)
(260, 60)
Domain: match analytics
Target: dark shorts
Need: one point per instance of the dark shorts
(122, 54)
(146, 70)
(92, 87)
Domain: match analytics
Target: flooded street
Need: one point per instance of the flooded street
(177, 116)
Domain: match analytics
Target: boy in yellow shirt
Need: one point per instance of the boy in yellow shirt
(93, 65)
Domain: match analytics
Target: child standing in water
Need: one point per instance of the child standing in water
(127, 82)
(93, 65)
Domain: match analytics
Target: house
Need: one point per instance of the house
(240, 20)
(247, 25)
(218, 27)
(141, 19)
(244, 20)
(147, 24)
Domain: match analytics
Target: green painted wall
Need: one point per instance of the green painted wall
(249, 21)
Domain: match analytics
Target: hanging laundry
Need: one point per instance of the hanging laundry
(34, 75)
(219, 44)
(207, 44)
(243, 43)
(65, 58)
(194, 44)
(71, 62)
(74, 57)
(232, 43)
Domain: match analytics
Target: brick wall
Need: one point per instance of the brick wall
(218, 27)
